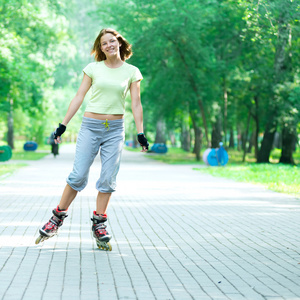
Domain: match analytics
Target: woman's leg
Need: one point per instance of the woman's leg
(110, 153)
(102, 202)
(59, 214)
(67, 198)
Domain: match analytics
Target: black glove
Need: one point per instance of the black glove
(59, 130)
(142, 140)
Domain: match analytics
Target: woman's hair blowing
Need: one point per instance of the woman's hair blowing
(125, 48)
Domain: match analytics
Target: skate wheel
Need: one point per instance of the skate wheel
(104, 246)
(109, 246)
(38, 240)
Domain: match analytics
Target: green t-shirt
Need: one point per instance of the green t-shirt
(110, 86)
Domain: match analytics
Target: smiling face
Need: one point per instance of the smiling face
(109, 45)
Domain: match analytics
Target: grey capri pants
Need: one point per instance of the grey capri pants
(108, 136)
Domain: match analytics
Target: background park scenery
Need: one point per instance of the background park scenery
(214, 71)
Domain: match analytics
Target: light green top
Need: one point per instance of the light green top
(110, 86)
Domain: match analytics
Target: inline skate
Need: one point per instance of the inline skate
(51, 227)
(99, 231)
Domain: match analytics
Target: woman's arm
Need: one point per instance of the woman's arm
(78, 99)
(137, 110)
(73, 107)
(136, 106)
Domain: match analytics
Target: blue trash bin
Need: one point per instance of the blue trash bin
(218, 156)
(30, 146)
(159, 148)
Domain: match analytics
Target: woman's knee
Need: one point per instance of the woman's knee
(106, 185)
(77, 182)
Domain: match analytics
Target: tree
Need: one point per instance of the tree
(28, 41)
(220, 62)
(283, 14)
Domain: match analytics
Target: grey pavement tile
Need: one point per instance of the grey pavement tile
(235, 297)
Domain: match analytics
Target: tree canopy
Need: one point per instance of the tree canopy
(213, 70)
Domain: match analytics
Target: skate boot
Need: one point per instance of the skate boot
(99, 231)
(51, 227)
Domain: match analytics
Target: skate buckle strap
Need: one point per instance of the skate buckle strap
(106, 124)
(55, 220)
(100, 226)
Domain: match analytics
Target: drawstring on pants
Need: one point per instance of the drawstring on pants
(106, 124)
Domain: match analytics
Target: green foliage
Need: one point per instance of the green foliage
(198, 51)
(32, 36)
(215, 61)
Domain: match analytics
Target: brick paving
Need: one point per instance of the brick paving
(177, 234)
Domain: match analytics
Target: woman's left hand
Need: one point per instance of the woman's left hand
(144, 149)
(143, 142)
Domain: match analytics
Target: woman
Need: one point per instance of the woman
(102, 128)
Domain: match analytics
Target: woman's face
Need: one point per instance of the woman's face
(109, 44)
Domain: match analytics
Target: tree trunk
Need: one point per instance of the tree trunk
(216, 135)
(243, 140)
(10, 126)
(185, 138)
(225, 112)
(246, 136)
(256, 120)
(231, 139)
(251, 142)
(277, 140)
(239, 139)
(160, 137)
(266, 147)
(280, 72)
(172, 139)
(198, 138)
(288, 145)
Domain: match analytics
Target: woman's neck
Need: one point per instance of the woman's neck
(113, 62)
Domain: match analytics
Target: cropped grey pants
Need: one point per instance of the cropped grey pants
(108, 136)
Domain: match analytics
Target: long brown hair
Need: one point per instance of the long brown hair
(125, 49)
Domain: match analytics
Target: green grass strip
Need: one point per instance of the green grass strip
(276, 177)
(8, 169)
(28, 155)
(174, 156)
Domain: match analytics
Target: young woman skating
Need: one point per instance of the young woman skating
(110, 78)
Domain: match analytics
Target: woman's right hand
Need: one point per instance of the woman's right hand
(58, 133)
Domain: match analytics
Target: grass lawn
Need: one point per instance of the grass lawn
(28, 155)
(274, 176)
(20, 154)
(7, 168)
(173, 156)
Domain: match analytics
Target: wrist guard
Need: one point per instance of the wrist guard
(142, 140)
(59, 130)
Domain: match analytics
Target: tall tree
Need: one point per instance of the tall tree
(282, 13)
(28, 39)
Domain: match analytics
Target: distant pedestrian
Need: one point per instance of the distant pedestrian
(102, 128)
(54, 146)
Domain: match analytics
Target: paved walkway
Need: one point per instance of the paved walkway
(177, 234)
